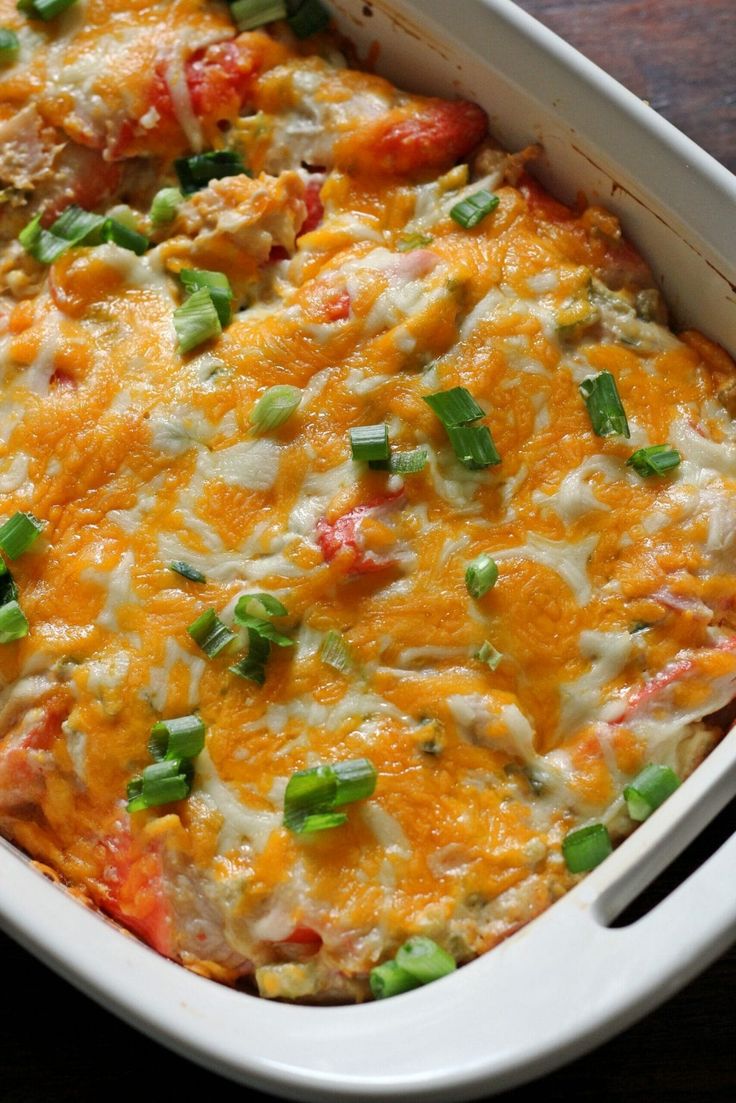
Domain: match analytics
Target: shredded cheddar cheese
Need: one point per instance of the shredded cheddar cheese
(610, 628)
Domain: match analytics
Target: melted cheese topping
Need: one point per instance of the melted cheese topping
(613, 606)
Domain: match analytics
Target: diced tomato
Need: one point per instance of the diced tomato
(676, 671)
(343, 536)
(135, 894)
(22, 762)
(219, 79)
(315, 210)
(432, 134)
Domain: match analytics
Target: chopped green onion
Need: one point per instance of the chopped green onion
(355, 779)
(253, 665)
(407, 242)
(166, 203)
(195, 172)
(210, 633)
(389, 979)
(657, 459)
(473, 445)
(274, 407)
(9, 45)
(370, 442)
(187, 571)
(218, 285)
(18, 533)
(160, 783)
(469, 212)
(424, 960)
(454, 407)
(311, 16)
(13, 623)
(314, 793)
(481, 575)
(649, 789)
(253, 619)
(408, 463)
(307, 792)
(8, 588)
(319, 821)
(607, 414)
(180, 737)
(249, 14)
(44, 9)
(196, 320)
(487, 654)
(586, 848)
(72, 227)
(335, 652)
(124, 236)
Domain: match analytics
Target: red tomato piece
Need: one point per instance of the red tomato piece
(433, 136)
(344, 536)
(315, 210)
(135, 894)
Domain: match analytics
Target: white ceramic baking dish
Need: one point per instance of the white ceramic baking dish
(567, 981)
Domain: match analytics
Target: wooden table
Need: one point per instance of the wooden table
(58, 1047)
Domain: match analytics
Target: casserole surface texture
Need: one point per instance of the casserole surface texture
(609, 631)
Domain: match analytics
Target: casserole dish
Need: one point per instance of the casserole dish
(447, 989)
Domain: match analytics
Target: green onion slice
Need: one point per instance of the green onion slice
(180, 737)
(657, 459)
(218, 285)
(481, 575)
(424, 960)
(334, 651)
(13, 623)
(195, 172)
(248, 613)
(473, 445)
(487, 654)
(187, 571)
(606, 410)
(317, 791)
(649, 789)
(209, 633)
(469, 212)
(44, 9)
(160, 783)
(9, 45)
(389, 979)
(249, 14)
(320, 821)
(166, 203)
(408, 463)
(253, 665)
(407, 242)
(311, 16)
(196, 320)
(73, 227)
(586, 848)
(274, 407)
(454, 407)
(8, 588)
(370, 442)
(18, 533)
(124, 236)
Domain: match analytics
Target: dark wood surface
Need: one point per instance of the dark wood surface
(57, 1047)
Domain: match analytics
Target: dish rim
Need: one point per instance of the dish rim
(184, 1010)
